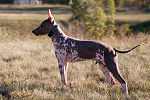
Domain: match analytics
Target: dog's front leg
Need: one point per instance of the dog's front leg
(66, 69)
(63, 71)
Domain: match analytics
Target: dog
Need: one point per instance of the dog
(68, 49)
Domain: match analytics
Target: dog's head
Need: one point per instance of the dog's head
(46, 26)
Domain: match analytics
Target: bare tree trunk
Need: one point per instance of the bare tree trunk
(29, 1)
(70, 2)
(36, 1)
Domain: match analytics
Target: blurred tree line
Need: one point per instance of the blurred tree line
(137, 3)
(56, 1)
(6, 1)
(118, 3)
(133, 3)
(44, 1)
(96, 17)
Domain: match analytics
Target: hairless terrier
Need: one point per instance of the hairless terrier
(68, 49)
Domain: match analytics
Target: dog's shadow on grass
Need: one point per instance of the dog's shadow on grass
(5, 91)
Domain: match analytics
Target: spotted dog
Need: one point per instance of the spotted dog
(68, 49)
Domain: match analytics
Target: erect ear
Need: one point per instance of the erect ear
(50, 16)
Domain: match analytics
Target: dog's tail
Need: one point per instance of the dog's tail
(127, 50)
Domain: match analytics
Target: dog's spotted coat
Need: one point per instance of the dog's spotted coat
(68, 49)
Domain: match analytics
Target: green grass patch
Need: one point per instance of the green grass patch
(143, 27)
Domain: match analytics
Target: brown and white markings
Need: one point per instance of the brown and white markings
(68, 49)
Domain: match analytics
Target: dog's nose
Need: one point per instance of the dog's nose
(33, 31)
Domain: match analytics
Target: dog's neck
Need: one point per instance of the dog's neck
(53, 30)
(58, 33)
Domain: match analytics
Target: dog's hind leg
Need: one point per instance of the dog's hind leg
(112, 65)
(117, 75)
(107, 74)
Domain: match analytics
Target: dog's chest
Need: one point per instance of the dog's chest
(65, 49)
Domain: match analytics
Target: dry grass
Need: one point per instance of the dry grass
(29, 71)
(132, 17)
(26, 16)
(28, 67)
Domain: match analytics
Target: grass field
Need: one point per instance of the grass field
(29, 71)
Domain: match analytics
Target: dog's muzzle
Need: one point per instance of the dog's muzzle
(35, 33)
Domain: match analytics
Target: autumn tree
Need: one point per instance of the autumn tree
(91, 14)
(110, 17)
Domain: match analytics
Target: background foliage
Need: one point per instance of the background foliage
(6, 1)
(91, 16)
(56, 1)
(118, 3)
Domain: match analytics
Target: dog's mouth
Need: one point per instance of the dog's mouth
(35, 33)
